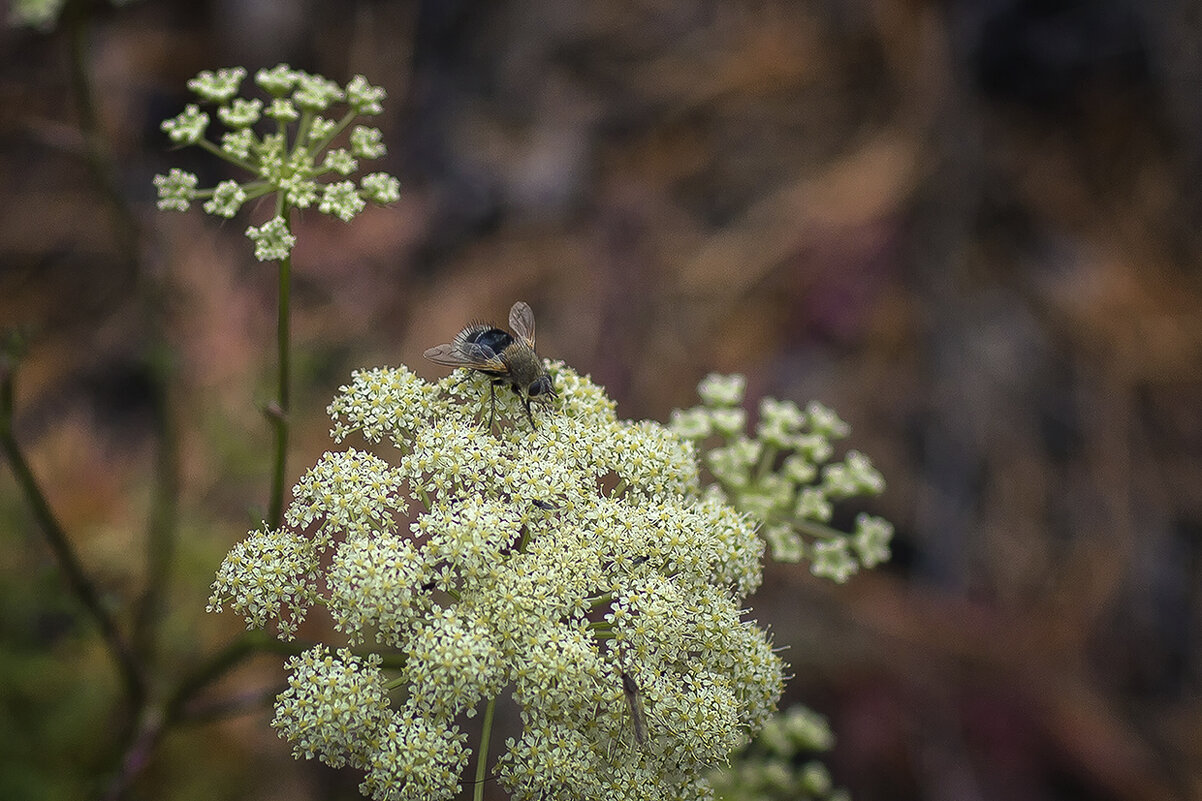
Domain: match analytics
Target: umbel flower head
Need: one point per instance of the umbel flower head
(576, 567)
(783, 476)
(285, 142)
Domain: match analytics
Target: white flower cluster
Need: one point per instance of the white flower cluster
(336, 708)
(783, 476)
(296, 169)
(778, 765)
(577, 566)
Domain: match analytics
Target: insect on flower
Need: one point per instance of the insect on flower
(634, 700)
(506, 358)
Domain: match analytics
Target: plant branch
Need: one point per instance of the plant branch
(219, 664)
(60, 544)
(279, 412)
(143, 740)
(482, 759)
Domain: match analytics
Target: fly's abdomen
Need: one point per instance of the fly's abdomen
(494, 339)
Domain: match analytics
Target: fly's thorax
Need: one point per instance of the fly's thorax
(525, 368)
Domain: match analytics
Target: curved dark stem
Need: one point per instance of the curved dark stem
(219, 664)
(60, 545)
(162, 517)
(143, 741)
(155, 719)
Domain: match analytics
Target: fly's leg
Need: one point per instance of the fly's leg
(492, 400)
(526, 406)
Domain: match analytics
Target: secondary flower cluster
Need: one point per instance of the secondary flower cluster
(779, 764)
(291, 158)
(784, 476)
(577, 565)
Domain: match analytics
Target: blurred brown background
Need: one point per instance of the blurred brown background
(971, 227)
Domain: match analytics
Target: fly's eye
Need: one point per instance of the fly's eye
(541, 386)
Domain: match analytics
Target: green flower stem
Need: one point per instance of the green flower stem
(275, 514)
(60, 544)
(389, 661)
(817, 530)
(318, 173)
(224, 156)
(342, 125)
(253, 190)
(598, 601)
(302, 133)
(601, 630)
(767, 459)
(482, 761)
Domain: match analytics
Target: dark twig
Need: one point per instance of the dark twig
(60, 544)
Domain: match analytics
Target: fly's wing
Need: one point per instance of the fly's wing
(521, 322)
(466, 354)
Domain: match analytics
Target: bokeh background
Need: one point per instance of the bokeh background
(971, 226)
